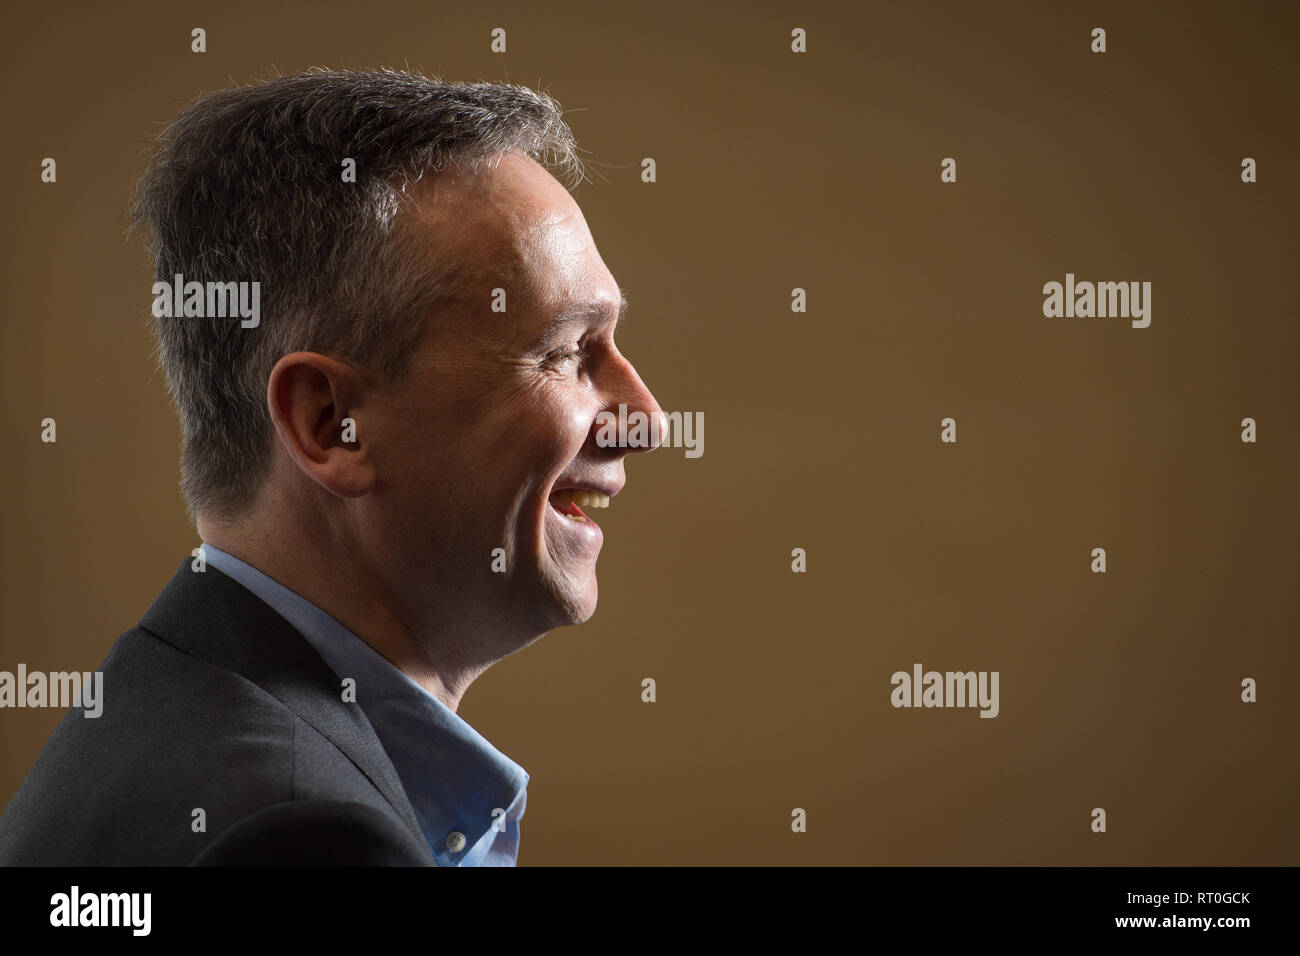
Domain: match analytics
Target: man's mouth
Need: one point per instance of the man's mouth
(568, 502)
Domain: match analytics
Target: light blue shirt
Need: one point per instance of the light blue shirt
(457, 782)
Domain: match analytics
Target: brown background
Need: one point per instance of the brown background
(779, 170)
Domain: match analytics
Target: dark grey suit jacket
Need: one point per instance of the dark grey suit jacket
(215, 702)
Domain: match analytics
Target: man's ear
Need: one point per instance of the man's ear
(315, 402)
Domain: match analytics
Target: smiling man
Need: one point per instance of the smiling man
(392, 472)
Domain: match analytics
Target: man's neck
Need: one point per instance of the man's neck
(333, 582)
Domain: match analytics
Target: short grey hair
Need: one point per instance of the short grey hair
(247, 185)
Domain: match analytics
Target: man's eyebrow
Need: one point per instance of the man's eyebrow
(584, 312)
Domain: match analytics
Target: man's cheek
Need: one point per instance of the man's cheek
(531, 445)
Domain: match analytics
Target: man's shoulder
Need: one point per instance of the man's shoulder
(205, 739)
(315, 833)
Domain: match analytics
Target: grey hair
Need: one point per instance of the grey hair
(246, 185)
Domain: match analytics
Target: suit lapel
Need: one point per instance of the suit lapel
(213, 617)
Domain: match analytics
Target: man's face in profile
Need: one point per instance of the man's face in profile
(498, 414)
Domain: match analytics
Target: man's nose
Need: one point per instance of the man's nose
(627, 389)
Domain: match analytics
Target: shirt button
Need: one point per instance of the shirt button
(455, 841)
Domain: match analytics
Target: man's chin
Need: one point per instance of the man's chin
(574, 602)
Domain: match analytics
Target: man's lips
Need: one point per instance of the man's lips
(566, 502)
(590, 483)
(570, 498)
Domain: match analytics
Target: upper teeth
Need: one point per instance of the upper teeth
(585, 499)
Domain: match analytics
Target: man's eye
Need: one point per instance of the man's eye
(563, 356)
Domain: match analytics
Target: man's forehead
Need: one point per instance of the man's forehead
(503, 194)
(513, 227)
(492, 223)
